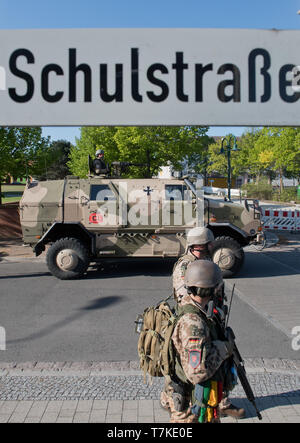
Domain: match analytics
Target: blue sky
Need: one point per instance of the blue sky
(263, 14)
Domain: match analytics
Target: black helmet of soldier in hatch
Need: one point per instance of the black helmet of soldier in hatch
(99, 152)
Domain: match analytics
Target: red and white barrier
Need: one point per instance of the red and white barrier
(281, 219)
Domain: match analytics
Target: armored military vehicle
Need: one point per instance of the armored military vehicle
(101, 217)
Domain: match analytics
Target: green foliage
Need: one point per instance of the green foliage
(287, 195)
(269, 152)
(152, 147)
(264, 191)
(261, 190)
(91, 139)
(55, 161)
(7, 140)
(21, 151)
(219, 162)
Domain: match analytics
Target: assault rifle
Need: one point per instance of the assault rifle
(226, 333)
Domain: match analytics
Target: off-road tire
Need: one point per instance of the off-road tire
(80, 262)
(233, 262)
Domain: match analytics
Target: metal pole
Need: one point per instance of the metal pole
(229, 172)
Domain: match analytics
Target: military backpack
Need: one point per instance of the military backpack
(155, 348)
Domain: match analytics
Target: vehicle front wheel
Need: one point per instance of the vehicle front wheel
(67, 258)
(228, 254)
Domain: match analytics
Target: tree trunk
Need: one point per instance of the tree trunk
(281, 180)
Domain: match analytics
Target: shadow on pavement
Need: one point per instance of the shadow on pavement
(38, 274)
(159, 267)
(258, 264)
(99, 303)
(267, 402)
(117, 269)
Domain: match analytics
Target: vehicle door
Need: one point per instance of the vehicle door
(99, 205)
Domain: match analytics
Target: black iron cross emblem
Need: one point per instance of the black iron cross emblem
(148, 190)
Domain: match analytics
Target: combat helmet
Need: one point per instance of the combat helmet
(199, 236)
(203, 274)
(99, 151)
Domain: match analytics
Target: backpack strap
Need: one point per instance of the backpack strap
(190, 309)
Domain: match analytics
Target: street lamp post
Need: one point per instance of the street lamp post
(229, 138)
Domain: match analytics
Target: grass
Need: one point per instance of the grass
(5, 188)
(10, 199)
(12, 188)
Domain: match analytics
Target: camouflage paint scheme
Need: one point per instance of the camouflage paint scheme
(40, 206)
(147, 225)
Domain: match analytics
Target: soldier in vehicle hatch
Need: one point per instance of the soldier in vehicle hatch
(99, 166)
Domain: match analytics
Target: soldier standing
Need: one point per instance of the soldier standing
(198, 244)
(199, 353)
(197, 248)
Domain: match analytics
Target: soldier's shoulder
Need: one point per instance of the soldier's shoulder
(184, 260)
(190, 314)
(190, 325)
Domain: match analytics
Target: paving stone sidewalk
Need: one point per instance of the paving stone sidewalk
(115, 392)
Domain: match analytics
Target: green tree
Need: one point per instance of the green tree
(246, 157)
(276, 149)
(198, 160)
(153, 147)
(218, 161)
(28, 151)
(55, 159)
(6, 160)
(157, 146)
(21, 151)
(91, 139)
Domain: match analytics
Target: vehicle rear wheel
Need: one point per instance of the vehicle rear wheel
(228, 254)
(67, 258)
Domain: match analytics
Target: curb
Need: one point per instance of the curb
(126, 368)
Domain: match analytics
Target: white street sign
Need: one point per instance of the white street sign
(215, 77)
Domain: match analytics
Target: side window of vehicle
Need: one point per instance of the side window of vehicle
(102, 193)
(176, 192)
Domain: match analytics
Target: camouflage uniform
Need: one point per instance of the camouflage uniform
(179, 291)
(193, 340)
(179, 271)
(180, 294)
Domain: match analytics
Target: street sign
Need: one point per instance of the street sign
(77, 77)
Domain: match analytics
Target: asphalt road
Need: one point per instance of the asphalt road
(92, 319)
